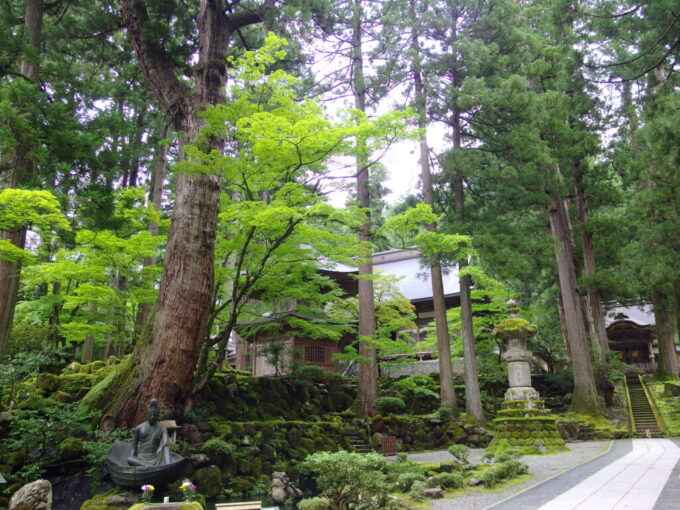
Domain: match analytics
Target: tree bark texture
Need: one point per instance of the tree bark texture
(593, 302)
(585, 398)
(163, 360)
(368, 370)
(88, 344)
(447, 389)
(473, 396)
(667, 365)
(20, 171)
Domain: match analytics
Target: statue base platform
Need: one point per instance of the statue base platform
(525, 424)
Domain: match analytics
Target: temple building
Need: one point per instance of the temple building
(631, 330)
(412, 279)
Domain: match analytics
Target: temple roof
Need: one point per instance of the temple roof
(411, 270)
(641, 314)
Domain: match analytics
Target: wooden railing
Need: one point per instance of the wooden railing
(647, 367)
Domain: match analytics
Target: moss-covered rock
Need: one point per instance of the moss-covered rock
(72, 448)
(208, 480)
(75, 383)
(116, 499)
(46, 383)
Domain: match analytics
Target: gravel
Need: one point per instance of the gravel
(541, 467)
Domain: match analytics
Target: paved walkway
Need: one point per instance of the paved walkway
(638, 476)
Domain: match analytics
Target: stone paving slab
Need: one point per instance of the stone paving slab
(541, 493)
(669, 499)
(632, 482)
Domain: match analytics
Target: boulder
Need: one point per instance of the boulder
(671, 389)
(33, 496)
(433, 493)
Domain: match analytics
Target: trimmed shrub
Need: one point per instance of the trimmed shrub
(445, 413)
(314, 504)
(451, 480)
(390, 405)
(417, 491)
(406, 480)
(347, 478)
(460, 452)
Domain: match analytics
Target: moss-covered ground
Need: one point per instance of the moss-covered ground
(667, 404)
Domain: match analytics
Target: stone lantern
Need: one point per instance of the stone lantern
(522, 420)
(515, 331)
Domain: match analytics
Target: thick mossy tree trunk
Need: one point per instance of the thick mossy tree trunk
(585, 399)
(20, 171)
(163, 360)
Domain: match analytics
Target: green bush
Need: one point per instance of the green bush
(417, 491)
(451, 480)
(346, 478)
(309, 373)
(502, 471)
(509, 454)
(406, 480)
(419, 385)
(460, 452)
(314, 504)
(218, 446)
(390, 405)
(445, 413)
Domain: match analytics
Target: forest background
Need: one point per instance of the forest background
(158, 174)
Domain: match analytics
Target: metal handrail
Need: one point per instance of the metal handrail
(631, 418)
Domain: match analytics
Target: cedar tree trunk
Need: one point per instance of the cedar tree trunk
(667, 366)
(585, 398)
(21, 170)
(368, 370)
(163, 360)
(447, 390)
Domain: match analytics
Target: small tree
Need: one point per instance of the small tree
(347, 479)
(282, 357)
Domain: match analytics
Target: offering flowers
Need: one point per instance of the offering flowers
(188, 490)
(147, 493)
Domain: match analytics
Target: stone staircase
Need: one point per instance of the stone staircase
(358, 443)
(644, 420)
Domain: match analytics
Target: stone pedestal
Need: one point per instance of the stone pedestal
(522, 422)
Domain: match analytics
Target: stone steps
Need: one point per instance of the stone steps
(358, 443)
(643, 415)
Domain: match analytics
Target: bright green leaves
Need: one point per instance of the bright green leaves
(98, 284)
(24, 209)
(409, 228)
(30, 209)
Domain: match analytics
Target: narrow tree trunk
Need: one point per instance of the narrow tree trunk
(88, 344)
(667, 365)
(21, 170)
(589, 268)
(447, 389)
(368, 370)
(473, 397)
(585, 399)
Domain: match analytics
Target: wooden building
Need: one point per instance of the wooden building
(631, 330)
(413, 281)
